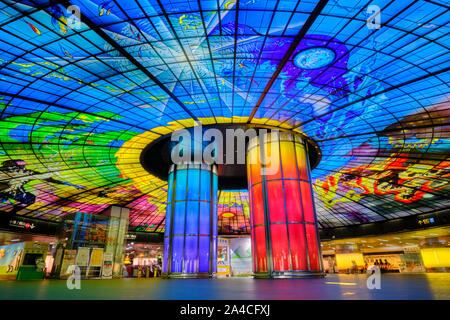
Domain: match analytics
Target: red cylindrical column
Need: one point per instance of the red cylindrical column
(282, 216)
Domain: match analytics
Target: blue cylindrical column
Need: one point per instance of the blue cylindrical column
(190, 239)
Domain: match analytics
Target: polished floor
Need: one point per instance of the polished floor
(393, 286)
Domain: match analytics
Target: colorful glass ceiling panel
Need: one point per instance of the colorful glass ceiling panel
(80, 99)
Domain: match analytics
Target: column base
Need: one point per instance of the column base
(289, 275)
(199, 275)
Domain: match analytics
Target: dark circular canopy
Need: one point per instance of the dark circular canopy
(86, 85)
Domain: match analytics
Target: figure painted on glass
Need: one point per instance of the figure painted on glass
(13, 189)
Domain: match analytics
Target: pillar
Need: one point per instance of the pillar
(115, 238)
(190, 239)
(283, 221)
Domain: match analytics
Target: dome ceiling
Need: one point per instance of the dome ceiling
(79, 100)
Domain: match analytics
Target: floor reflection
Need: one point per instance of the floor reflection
(393, 286)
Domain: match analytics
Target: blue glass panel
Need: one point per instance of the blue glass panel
(203, 254)
(205, 185)
(191, 254)
(192, 213)
(215, 190)
(204, 218)
(166, 253)
(193, 182)
(168, 217)
(180, 184)
(177, 254)
(170, 187)
(179, 218)
(214, 241)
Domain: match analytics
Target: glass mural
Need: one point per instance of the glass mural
(79, 100)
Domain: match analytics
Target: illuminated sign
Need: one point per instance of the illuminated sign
(411, 250)
(22, 224)
(426, 221)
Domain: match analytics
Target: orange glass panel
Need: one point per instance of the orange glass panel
(254, 165)
(272, 161)
(288, 160)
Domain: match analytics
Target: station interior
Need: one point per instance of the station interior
(215, 149)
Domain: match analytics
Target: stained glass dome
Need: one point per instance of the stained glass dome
(86, 85)
(314, 58)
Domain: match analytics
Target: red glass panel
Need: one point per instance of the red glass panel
(275, 198)
(298, 246)
(280, 248)
(258, 204)
(250, 199)
(307, 202)
(260, 243)
(293, 201)
(250, 203)
(313, 250)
